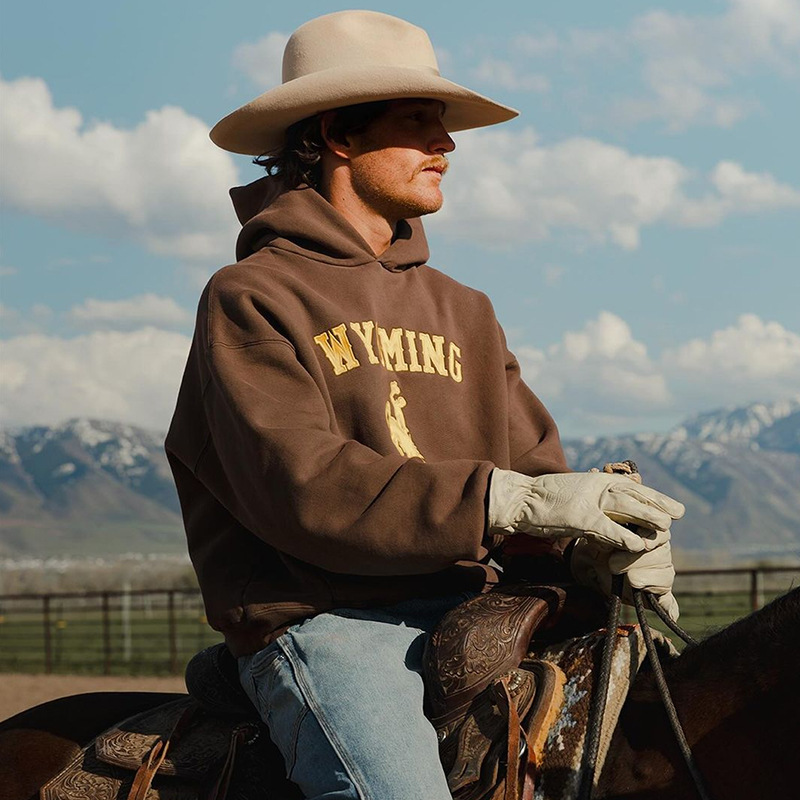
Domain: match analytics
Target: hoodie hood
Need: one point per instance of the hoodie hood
(301, 221)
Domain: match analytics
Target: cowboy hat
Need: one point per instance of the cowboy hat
(345, 58)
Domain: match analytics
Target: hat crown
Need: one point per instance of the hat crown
(357, 39)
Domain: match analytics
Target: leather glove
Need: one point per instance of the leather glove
(593, 564)
(581, 504)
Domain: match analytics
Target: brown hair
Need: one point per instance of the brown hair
(298, 160)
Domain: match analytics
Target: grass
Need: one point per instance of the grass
(144, 638)
(138, 634)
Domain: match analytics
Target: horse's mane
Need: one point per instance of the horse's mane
(766, 640)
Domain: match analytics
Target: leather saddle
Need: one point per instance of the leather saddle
(210, 745)
(491, 706)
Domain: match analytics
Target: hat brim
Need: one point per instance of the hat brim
(260, 126)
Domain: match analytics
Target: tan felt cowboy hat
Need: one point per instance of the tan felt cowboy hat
(346, 58)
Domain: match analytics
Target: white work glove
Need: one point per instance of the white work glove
(593, 564)
(581, 504)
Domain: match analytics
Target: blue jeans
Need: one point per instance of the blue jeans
(342, 694)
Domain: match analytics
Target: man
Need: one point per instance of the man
(352, 437)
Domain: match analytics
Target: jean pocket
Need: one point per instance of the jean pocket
(256, 674)
(280, 702)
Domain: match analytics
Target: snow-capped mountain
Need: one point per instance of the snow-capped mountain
(86, 487)
(736, 470)
(746, 425)
(90, 487)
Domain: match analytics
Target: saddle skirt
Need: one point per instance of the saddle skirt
(207, 746)
(176, 751)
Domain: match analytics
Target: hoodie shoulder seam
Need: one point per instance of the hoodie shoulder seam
(253, 343)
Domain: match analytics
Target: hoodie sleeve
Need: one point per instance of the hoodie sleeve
(535, 450)
(533, 436)
(272, 459)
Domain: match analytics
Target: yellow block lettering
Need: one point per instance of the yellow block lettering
(337, 348)
(453, 363)
(391, 345)
(411, 339)
(432, 353)
(364, 332)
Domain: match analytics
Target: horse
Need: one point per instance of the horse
(737, 695)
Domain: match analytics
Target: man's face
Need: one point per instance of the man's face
(397, 163)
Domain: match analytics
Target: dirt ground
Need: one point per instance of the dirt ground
(18, 692)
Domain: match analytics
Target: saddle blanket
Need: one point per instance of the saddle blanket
(559, 775)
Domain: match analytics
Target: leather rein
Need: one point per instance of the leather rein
(599, 699)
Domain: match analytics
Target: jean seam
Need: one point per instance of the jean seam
(353, 773)
(295, 740)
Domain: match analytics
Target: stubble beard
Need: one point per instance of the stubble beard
(394, 199)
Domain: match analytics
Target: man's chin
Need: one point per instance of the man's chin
(422, 206)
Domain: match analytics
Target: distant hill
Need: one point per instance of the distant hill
(88, 488)
(95, 488)
(736, 470)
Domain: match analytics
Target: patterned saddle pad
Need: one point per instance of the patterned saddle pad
(559, 768)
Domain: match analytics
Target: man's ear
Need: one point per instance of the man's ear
(341, 146)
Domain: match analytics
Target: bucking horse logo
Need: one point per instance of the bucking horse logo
(396, 421)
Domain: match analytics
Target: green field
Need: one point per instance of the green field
(156, 633)
(74, 636)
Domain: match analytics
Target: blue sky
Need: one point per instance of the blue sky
(636, 226)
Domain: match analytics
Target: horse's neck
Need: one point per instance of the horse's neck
(738, 700)
(739, 667)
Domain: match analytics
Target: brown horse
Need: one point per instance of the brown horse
(737, 695)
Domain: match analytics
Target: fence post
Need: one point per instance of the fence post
(48, 641)
(756, 589)
(125, 615)
(173, 633)
(106, 635)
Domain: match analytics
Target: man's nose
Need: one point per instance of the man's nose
(441, 142)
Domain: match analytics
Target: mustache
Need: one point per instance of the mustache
(437, 162)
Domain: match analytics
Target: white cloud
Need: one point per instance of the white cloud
(691, 63)
(131, 377)
(737, 191)
(553, 273)
(162, 183)
(751, 360)
(524, 190)
(536, 45)
(600, 372)
(504, 74)
(6, 271)
(145, 309)
(601, 379)
(262, 61)
(691, 67)
(35, 320)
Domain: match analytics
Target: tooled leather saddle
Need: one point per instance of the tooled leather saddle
(491, 706)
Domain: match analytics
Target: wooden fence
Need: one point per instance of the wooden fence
(156, 632)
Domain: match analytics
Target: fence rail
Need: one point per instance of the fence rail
(124, 632)
(156, 632)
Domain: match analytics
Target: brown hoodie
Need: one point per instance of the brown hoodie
(338, 420)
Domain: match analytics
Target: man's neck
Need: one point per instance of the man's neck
(376, 230)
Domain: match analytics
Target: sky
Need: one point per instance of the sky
(636, 227)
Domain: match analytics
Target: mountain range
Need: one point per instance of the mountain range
(737, 471)
(99, 488)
